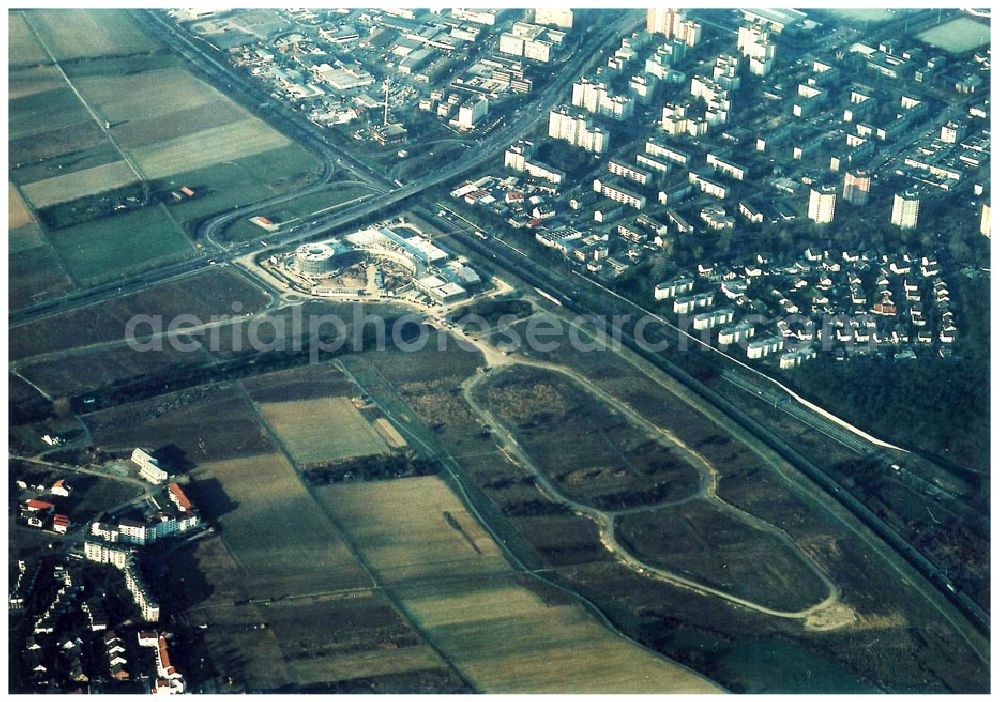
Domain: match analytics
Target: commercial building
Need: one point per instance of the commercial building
(322, 259)
(472, 111)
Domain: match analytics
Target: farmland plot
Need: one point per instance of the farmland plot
(470, 603)
(322, 430)
(74, 34)
(275, 530)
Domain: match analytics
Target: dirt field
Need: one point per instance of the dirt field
(501, 635)
(204, 294)
(247, 137)
(35, 274)
(67, 146)
(958, 36)
(18, 214)
(78, 374)
(710, 546)
(192, 426)
(71, 186)
(72, 34)
(312, 382)
(593, 454)
(322, 430)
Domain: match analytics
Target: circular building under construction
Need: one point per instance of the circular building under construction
(317, 260)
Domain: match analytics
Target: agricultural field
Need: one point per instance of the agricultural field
(76, 34)
(35, 273)
(708, 545)
(25, 82)
(247, 137)
(203, 294)
(23, 48)
(322, 430)
(957, 36)
(106, 249)
(18, 214)
(69, 153)
(283, 542)
(189, 427)
(71, 186)
(502, 634)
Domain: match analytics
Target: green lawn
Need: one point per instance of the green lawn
(300, 207)
(234, 183)
(104, 249)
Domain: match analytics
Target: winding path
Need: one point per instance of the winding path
(829, 613)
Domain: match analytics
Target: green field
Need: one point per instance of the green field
(106, 249)
(243, 181)
(42, 112)
(297, 209)
(957, 36)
